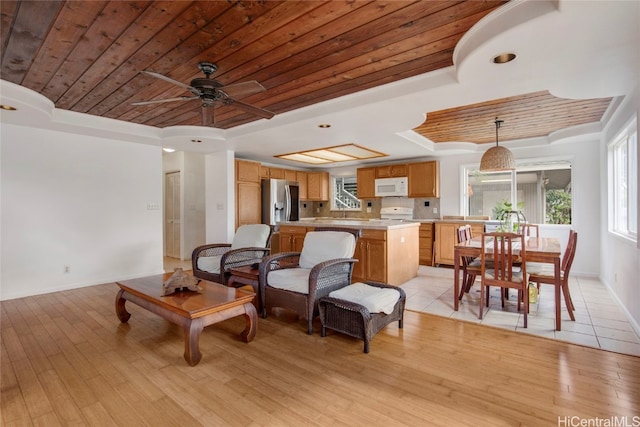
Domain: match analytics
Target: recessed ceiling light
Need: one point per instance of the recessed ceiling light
(324, 125)
(7, 107)
(503, 58)
(169, 150)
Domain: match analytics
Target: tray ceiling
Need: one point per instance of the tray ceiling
(87, 56)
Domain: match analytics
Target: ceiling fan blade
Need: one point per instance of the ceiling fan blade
(251, 109)
(160, 101)
(243, 88)
(207, 115)
(175, 82)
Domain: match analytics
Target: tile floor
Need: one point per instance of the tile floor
(599, 321)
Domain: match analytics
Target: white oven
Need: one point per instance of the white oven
(392, 187)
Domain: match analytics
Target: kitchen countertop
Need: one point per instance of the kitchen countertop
(376, 224)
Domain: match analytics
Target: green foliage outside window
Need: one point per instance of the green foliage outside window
(558, 207)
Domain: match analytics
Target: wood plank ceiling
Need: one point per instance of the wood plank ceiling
(526, 116)
(86, 56)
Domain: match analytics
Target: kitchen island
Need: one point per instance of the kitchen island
(387, 251)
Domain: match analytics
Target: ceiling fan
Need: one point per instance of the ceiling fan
(210, 91)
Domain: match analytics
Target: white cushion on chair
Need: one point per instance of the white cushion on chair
(290, 279)
(320, 246)
(210, 264)
(251, 236)
(373, 298)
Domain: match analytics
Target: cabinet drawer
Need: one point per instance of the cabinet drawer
(374, 234)
(292, 229)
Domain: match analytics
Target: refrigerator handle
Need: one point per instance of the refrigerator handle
(287, 203)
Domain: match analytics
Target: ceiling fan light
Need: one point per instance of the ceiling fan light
(497, 159)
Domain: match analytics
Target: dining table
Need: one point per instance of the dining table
(537, 249)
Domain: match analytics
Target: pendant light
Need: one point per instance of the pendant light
(497, 158)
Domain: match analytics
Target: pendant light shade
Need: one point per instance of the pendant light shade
(497, 158)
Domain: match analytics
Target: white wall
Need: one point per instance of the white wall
(620, 258)
(192, 197)
(77, 201)
(194, 231)
(220, 196)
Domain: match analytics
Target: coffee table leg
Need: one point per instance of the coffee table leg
(121, 312)
(251, 317)
(192, 332)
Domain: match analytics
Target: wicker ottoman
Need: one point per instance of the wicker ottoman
(353, 319)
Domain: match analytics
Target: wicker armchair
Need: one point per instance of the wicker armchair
(355, 320)
(296, 280)
(214, 262)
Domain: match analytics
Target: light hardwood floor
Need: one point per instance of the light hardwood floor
(67, 360)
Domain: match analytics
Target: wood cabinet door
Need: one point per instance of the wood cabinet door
(425, 244)
(376, 260)
(317, 186)
(264, 172)
(248, 203)
(366, 183)
(301, 177)
(424, 179)
(445, 242)
(247, 171)
(276, 173)
(391, 171)
(286, 242)
(289, 175)
(359, 268)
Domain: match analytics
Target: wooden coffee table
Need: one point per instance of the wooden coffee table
(191, 310)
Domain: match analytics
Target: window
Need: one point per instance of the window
(344, 193)
(540, 190)
(623, 183)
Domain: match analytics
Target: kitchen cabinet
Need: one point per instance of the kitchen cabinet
(426, 243)
(301, 177)
(424, 179)
(391, 171)
(276, 173)
(366, 182)
(371, 252)
(291, 238)
(248, 201)
(248, 193)
(247, 171)
(387, 255)
(264, 172)
(317, 186)
(447, 237)
(289, 175)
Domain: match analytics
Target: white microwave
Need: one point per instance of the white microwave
(392, 186)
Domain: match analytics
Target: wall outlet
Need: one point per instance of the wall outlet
(66, 269)
(435, 210)
(368, 210)
(426, 204)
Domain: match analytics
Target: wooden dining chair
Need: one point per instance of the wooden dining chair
(498, 262)
(529, 230)
(544, 273)
(470, 266)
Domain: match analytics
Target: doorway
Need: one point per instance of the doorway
(172, 215)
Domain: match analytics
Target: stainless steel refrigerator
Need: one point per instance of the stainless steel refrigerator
(280, 201)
